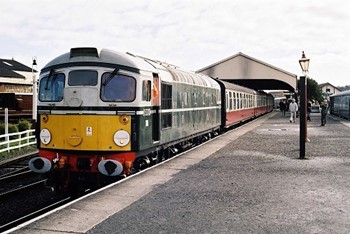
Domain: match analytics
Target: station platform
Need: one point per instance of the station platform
(249, 180)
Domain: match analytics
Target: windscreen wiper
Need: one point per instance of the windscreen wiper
(109, 78)
(52, 71)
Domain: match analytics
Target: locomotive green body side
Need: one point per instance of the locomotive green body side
(194, 110)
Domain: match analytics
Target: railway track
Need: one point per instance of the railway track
(34, 214)
(15, 174)
(20, 188)
(26, 200)
(15, 164)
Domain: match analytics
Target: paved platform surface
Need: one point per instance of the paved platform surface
(247, 181)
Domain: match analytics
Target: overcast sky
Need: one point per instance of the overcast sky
(191, 34)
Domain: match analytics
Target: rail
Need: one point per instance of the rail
(17, 140)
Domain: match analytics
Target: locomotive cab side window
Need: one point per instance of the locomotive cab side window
(118, 88)
(51, 88)
(146, 90)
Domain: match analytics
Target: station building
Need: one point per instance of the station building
(15, 77)
(328, 89)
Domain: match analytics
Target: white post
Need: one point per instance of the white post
(7, 138)
(34, 89)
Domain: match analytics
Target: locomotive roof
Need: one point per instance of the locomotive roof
(175, 74)
(91, 57)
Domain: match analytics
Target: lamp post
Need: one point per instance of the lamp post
(34, 89)
(304, 64)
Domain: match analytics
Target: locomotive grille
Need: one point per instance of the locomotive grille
(91, 52)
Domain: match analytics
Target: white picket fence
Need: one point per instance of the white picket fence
(16, 140)
(21, 139)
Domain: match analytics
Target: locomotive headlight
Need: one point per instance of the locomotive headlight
(124, 119)
(45, 118)
(121, 138)
(45, 136)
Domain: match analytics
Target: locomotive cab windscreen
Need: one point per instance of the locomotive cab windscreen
(117, 88)
(51, 87)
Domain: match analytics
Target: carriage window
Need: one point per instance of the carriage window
(240, 101)
(234, 101)
(146, 90)
(227, 104)
(230, 100)
(243, 101)
(117, 88)
(82, 78)
(51, 88)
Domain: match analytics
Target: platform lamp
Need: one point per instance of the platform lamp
(34, 65)
(304, 64)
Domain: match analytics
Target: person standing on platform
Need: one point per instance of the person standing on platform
(293, 108)
(283, 107)
(308, 111)
(324, 110)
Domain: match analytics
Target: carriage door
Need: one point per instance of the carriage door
(155, 113)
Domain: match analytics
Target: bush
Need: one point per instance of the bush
(23, 125)
(13, 128)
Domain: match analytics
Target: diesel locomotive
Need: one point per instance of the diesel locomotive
(104, 114)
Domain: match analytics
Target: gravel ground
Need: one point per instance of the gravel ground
(256, 184)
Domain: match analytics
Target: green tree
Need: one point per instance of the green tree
(344, 88)
(314, 91)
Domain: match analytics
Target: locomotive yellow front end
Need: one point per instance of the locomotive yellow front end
(90, 143)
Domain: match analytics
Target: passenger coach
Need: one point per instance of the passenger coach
(240, 104)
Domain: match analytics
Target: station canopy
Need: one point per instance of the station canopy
(244, 70)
